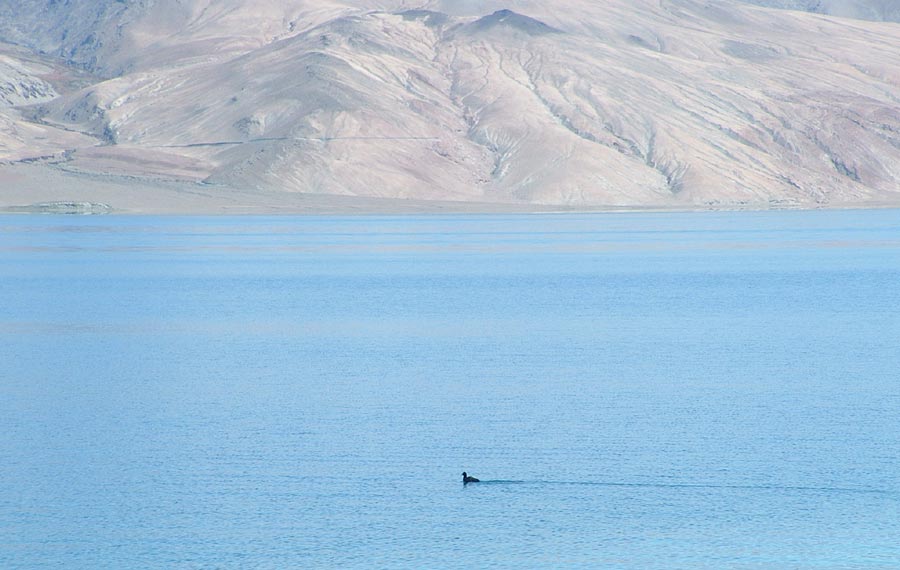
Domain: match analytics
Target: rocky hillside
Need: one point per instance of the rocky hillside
(676, 103)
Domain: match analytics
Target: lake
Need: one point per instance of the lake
(635, 391)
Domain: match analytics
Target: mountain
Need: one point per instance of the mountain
(670, 104)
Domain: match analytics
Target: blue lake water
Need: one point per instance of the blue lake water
(636, 391)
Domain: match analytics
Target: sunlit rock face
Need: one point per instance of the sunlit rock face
(673, 104)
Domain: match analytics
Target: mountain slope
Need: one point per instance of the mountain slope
(876, 10)
(669, 104)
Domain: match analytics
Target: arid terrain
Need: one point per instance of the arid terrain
(294, 105)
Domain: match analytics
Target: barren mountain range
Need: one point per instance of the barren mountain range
(239, 105)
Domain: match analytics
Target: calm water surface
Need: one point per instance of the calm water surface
(637, 391)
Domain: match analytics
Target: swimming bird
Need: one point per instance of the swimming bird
(467, 479)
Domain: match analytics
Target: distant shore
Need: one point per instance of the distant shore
(25, 189)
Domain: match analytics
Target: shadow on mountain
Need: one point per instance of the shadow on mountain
(750, 52)
(431, 19)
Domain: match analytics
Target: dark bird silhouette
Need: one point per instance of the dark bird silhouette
(467, 479)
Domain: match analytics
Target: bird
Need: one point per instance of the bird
(467, 479)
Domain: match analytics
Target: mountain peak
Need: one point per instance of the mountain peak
(514, 21)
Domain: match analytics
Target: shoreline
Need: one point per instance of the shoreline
(35, 190)
(418, 208)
